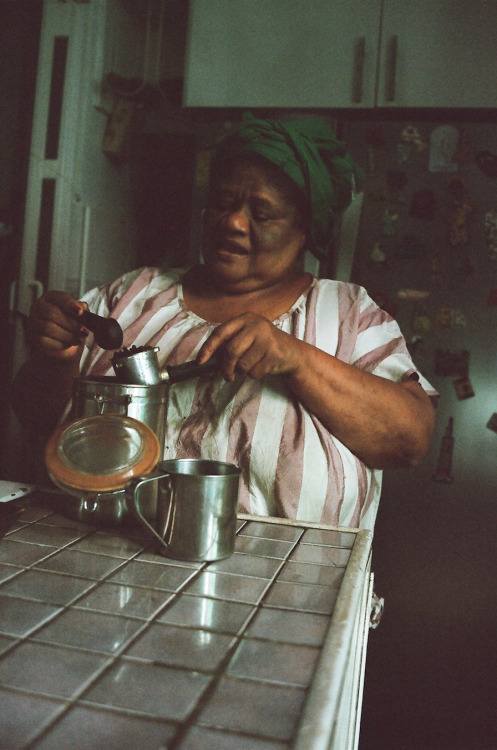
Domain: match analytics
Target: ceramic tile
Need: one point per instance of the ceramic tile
(151, 689)
(22, 553)
(264, 547)
(201, 738)
(324, 575)
(272, 531)
(191, 649)
(109, 544)
(138, 573)
(321, 555)
(329, 537)
(32, 513)
(106, 729)
(204, 612)
(227, 586)
(273, 714)
(38, 667)
(82, 564)
(247, 565)
(8, 571)
(46, 587)
(274, 662)
(153, 557)
(133, 601)
(52, 536)
(89, 630)
(302, 597)
(21, 716)
(56, 519)
(291, 627)
(19, 616)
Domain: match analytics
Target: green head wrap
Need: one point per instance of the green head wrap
(310, 154)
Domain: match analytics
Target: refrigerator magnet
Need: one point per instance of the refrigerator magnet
(492, 423)
(463, 388)
(459, 223)
(443, 145)
(411, 135)
(487, 163)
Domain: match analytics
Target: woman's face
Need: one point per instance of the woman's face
(251, 234)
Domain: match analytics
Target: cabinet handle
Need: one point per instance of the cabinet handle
(391, 69)
(358, 69)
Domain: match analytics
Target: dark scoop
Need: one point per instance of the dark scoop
(107, 331)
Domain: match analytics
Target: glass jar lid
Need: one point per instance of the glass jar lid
(101, 453)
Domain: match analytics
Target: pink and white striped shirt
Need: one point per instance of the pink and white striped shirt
(291, 465)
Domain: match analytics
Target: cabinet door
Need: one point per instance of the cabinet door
(282, 53)
(438, 53)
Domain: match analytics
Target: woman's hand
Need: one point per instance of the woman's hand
(53, 329)
(252, 345)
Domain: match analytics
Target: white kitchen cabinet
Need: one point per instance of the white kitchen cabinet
(438, 53)
(341, 53)
(282, 53)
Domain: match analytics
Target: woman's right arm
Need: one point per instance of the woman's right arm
(43, 385)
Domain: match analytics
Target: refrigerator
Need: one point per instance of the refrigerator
(426, 251)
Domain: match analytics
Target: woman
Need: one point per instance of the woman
(317, 392)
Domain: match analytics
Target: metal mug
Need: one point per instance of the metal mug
(196, 508)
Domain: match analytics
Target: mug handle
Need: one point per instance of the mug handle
(132, 492)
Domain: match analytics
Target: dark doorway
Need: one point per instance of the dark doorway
(20, 24)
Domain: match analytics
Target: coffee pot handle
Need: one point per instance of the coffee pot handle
(132, 493)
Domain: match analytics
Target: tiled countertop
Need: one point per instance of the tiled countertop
(105, 645)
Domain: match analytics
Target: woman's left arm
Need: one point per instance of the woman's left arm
(385, 424)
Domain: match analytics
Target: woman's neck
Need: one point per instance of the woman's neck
(217, 304)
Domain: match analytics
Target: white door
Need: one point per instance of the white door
(78, 227)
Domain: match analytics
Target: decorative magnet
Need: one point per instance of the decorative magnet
(411, 135)
(412, 294)
(459, 223)
(377, 255)
(447, 317)
(389, 220)
(421, 322)
(492, 423)
(491, 233)
(443, 144)
(452, 363)
(443, 470)
(444, 317)
(487, 163)
(463, 388)
(422, 205)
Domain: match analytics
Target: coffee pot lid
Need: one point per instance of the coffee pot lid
(101, 453)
